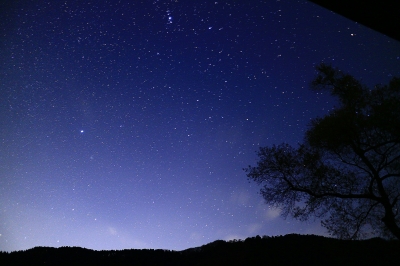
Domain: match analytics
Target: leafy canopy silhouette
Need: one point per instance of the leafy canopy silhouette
(347, 170)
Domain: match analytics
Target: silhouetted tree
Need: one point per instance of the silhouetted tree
(347, 171)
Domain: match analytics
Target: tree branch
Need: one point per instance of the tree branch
(330, 194)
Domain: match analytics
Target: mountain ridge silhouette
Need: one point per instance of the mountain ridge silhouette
(292, 249)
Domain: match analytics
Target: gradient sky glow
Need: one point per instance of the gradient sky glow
(126, 124)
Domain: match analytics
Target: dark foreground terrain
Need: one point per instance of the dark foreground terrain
(282, 250)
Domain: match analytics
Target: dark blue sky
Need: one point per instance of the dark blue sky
(126, 124)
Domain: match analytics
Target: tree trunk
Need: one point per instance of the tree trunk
(390, 221)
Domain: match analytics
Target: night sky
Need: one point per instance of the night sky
(127, 124)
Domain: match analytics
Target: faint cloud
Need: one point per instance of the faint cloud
(240, 198)
(135, 243)
(124, 239)
(196, 236)
(232, 237)
(112, 231)
(254, 228)
(270, 214)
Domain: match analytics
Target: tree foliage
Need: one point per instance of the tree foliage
(347, 170)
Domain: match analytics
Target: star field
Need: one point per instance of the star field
(126, 124)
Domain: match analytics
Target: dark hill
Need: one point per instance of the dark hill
(283, 250)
